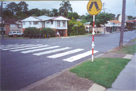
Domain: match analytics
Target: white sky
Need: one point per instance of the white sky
(112, 6)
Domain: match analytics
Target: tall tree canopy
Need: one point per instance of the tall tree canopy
(13, 7)
(23, 6)
(65, 8)
(74, 15)
(54, 12)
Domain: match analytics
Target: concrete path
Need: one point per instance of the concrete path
(127, 78)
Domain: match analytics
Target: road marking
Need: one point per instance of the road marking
(19, 46)
(29, 51)
(79, 56)
(65, 53)
(28, 48)
(51, 51)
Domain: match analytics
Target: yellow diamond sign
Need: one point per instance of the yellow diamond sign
(94, 7)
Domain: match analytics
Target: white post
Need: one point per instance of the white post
(93, 38)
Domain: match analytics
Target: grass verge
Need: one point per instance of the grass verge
(134, 40)
(102, 71)
(129, 49)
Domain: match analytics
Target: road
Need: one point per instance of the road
(25, 61)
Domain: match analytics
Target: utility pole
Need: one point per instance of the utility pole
(104, 16)
(122, 24)
(2, 19)
(104, 7)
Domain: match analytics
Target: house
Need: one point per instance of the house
(131, 24)
(12, 25)
(113, 25)
(57, 23)
(87, 26)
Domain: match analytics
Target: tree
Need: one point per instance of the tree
(74, 15)
(122, 24)
(130, 17)
(112, 16)
(65, 8)
(45, 12)
(7, 13)
(13, 7)
(102, 18)
(35, 12)
(75, 28)
(54, 12)
(23, 6)
(118, 16)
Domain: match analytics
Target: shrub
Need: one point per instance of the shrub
(75, 30)
(48, 31)
(31, 30)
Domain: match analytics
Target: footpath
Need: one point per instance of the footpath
(67, 81)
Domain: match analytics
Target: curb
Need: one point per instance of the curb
(96, 87)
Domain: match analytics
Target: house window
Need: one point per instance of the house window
(64, 23)
(35, 22)
(12, 25)
(51, 22)
(30, 22)
(19, 26)
(23, 23)
(47, 22)
(58, 23)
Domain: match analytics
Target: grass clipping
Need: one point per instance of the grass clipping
(102, 71)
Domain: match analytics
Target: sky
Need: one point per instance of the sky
(111, 6)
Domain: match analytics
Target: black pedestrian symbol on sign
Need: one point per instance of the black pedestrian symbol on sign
(96, 5)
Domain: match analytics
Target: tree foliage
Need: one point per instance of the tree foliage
(101, 18)
(75, 28)
(65, 8)
(74, 15)
(130, 17)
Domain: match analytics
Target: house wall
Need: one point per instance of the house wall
(27, 24)
(100, 29)
(48, 24)
(15, 27)
(7, 29)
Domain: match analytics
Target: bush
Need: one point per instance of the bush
(48, 31)
(31, 30)
(75, 30)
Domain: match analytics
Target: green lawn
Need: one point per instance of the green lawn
(102, 71)
(134, 40)
(130, 49)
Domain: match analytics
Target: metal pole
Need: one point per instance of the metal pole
(122, 24)
(93, 38)
(2, 19)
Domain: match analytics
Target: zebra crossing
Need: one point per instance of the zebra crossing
(51, 52)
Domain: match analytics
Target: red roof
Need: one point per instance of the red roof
(130, 21)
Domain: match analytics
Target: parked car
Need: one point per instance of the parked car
(18, 33)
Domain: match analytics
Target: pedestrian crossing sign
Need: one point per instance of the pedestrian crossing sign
(94, 7)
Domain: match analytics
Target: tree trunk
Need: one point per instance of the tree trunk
(122, 24)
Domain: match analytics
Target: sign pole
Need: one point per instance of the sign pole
(93, 38)
(93, 8)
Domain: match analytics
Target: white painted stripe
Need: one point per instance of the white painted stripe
(65, 53)
(79, 56)
(19, 46)
(51, 51)
(23, 46)
(29, 51)
(28, 48)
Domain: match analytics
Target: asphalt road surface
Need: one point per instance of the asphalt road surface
(25, 61)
